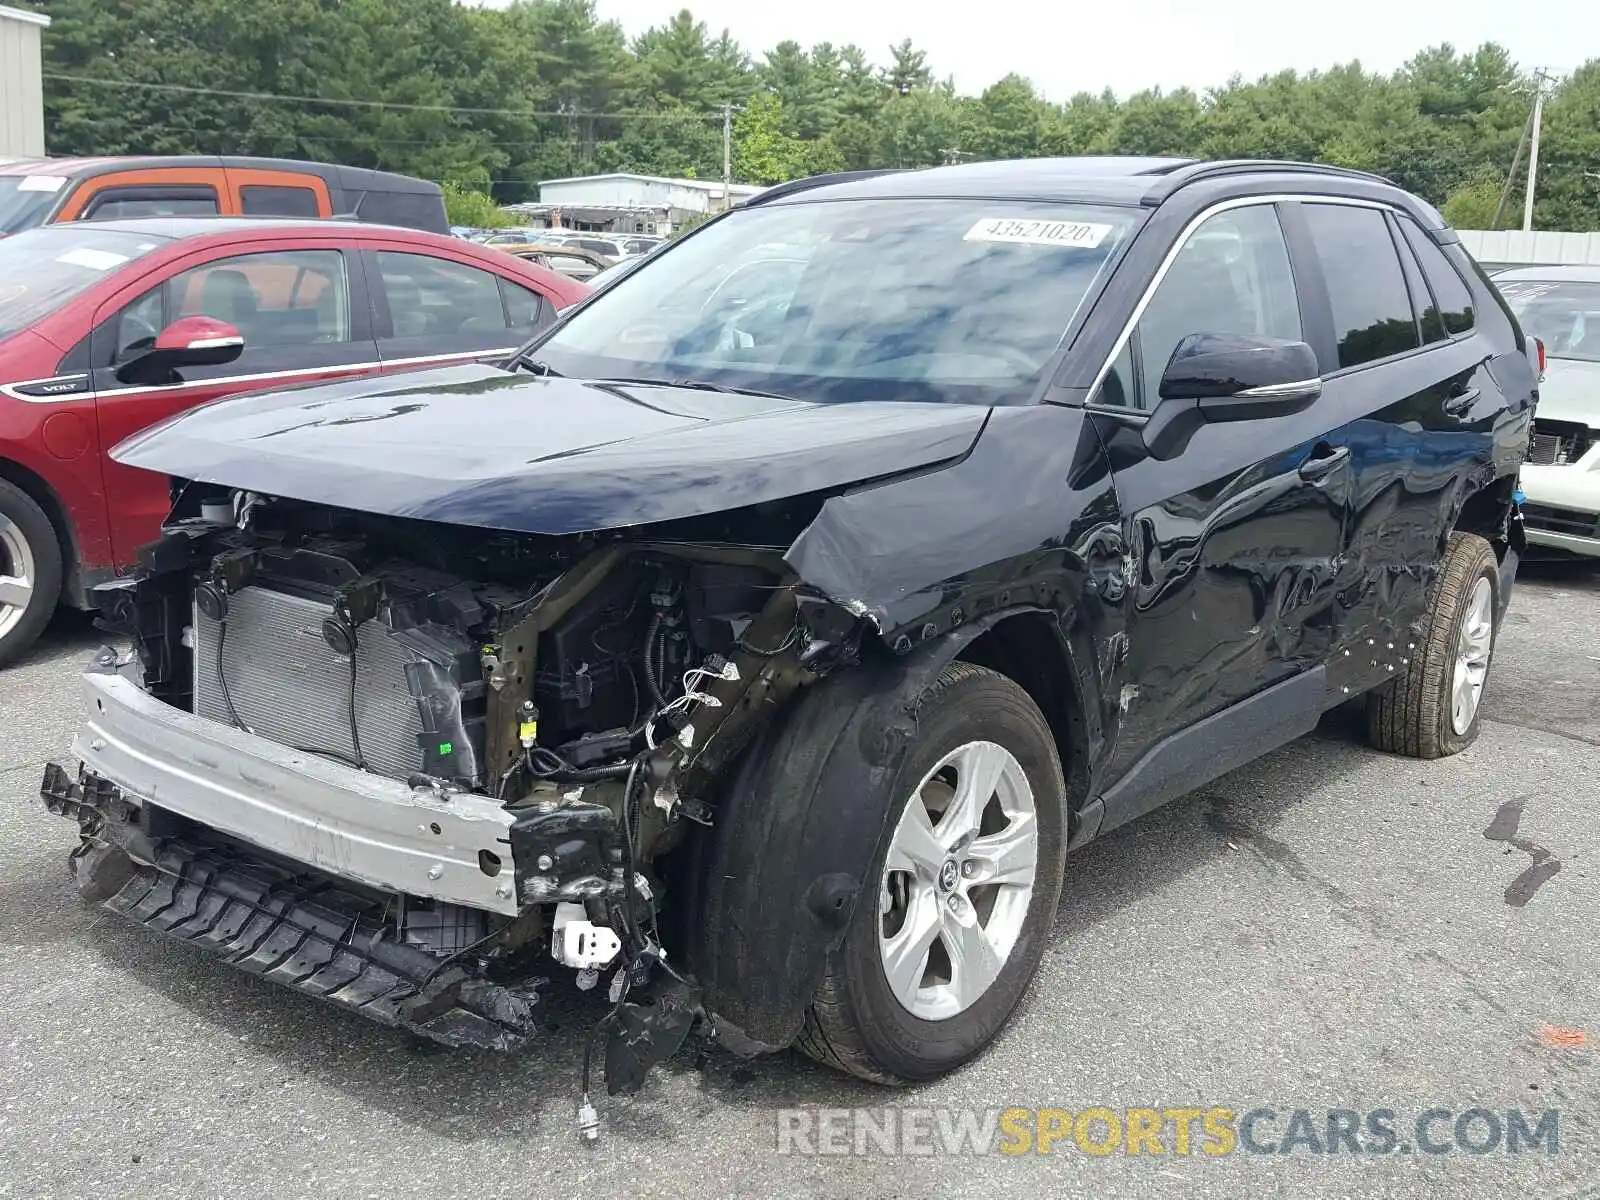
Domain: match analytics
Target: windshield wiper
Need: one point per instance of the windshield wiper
(523, 360)
(698, 385)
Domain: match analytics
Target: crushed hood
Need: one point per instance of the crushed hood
(475, 445)
(1570, 392)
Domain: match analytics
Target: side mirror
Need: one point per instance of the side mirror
(1216, 377)
(1255, 373)
(197, 341)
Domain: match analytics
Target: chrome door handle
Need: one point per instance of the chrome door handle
(1323, 460)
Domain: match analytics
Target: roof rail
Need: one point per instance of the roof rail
(779, 190)
(1183, 176)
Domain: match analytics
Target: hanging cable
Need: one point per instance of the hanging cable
(222, 677)
(355, 732)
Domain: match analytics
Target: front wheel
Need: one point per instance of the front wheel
(1432, 708)
(941, 951)
(30, 571)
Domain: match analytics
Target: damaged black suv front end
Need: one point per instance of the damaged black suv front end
(392, 764)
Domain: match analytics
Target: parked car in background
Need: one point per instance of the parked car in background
(639, 243)
(780, 618)
(97, 341)
(98, 189)
(1561, 307)
(570, 260)
(606, 246)
(509, 237)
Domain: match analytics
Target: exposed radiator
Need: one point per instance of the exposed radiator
(288, 685)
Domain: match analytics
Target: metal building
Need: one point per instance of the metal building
(21, 86)
(1499, 248)
(623, 203)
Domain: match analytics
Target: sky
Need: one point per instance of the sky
(1070, 47)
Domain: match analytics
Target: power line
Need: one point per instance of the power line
(391, 104)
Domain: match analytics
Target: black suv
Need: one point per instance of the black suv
(774, 626)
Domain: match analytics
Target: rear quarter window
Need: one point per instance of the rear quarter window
(1452, 300)
(413, 210)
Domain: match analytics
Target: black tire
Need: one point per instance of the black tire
(855, 1023)
(30, 522)
(1411, 714)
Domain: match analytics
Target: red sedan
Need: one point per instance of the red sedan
(108, 327)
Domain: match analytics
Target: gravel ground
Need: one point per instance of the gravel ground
(1326, 928)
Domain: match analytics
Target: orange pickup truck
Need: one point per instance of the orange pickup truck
(43, 191)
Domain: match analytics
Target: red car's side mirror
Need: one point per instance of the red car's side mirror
(197, 341)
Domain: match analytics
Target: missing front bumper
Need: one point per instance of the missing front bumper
(300, 929)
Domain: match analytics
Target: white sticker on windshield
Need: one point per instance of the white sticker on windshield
(1082, 235)
(41, 183)
(95, 260)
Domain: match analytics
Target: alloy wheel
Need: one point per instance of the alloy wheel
(958, 880)
(17, 575)
(1474, 644)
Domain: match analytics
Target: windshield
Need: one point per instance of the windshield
(1564, 316)
(25, 200)
(44, 268)
(947, 300)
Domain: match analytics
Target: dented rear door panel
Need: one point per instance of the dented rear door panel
(1423, 432)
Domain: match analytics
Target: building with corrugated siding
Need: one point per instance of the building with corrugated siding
(21, 85)
(1500, 248)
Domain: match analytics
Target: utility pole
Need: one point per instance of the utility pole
(1539, 78)
(1511, 175)
(727, 156)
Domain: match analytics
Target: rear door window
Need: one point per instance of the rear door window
(271, 201)
(434, 296)
(1372, 315)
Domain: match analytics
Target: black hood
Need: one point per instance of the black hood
(474, 445)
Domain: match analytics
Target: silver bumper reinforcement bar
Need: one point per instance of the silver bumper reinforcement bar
(451, 846)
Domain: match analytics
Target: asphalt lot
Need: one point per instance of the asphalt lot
(1326, 928)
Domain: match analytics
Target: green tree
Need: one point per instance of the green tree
(466, 204)
(675, 61)
(908, 72)
(762, 151)
(1009, 120)
(1473, 205)
(499, 98)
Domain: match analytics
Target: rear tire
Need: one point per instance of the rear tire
(1433, 708)
(30, 571)
(857, 1021)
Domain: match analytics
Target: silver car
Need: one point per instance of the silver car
(1561, 307)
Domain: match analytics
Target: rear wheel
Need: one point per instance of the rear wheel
(937, 958)
(1432, 708)
(30, 571)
